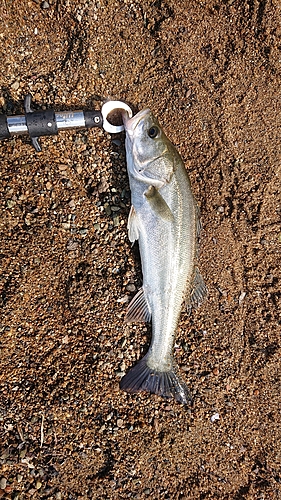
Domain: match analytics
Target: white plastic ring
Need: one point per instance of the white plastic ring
(107, 108)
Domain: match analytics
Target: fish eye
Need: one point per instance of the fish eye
(153, 132)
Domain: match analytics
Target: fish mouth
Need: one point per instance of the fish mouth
(131, 123)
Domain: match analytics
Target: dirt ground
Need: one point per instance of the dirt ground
(210, 71)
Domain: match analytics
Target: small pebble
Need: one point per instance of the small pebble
(123, 300)
(45, 5)
(15, 85)
(10, 203)
(38, 485)
(23, 453)
(131, 288)
(3, 483)
(241, 297)
(107, 209)
(116, 220)
(72, 245)
(215, 417)
(117, 142)
(122, 367)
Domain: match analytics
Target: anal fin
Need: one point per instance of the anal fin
(198, 292)
(138, 309)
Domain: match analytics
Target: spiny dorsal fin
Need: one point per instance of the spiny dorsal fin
(138, 309)
(198, 292)
(133, 231)
(158, 204)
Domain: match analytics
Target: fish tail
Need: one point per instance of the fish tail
(163, 383)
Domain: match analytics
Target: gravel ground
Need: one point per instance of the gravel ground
(210, 71)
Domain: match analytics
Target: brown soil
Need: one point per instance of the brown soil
(210, 71)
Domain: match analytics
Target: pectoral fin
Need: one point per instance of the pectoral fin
(158, 204)
(138, 309)
(133, 231)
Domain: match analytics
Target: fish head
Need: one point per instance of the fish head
(149, 151)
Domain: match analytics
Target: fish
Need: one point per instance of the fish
(164, 219)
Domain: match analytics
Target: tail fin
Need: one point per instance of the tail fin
(166, 384)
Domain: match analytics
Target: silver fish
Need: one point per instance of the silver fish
(164, 219)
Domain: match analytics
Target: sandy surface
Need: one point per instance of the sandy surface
(210, 71)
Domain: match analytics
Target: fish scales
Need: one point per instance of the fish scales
(164, 219)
